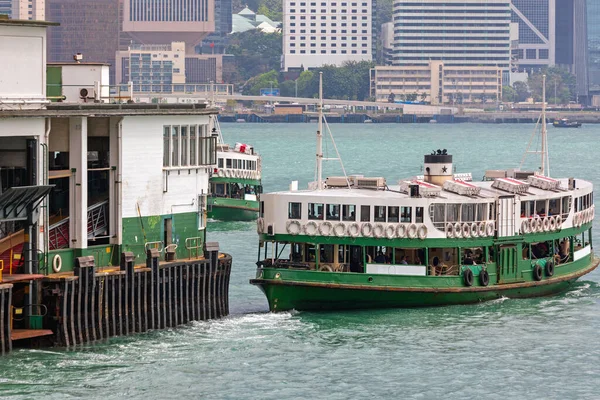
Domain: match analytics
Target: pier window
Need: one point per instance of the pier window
(349, 212)
(393, 214)
(406, 214)
(333, 212)
(365, 213)
(189, 146)
(295, 210)
(175, 147)
(193, 145)
(167, 146)
(315, 210)
(379, 214)
(184, 146)
(419, 215)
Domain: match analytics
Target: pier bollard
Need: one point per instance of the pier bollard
(85, 312)
(211, 252)
(127, 266)
(152, 262)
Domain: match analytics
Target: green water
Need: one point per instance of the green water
(530, 349)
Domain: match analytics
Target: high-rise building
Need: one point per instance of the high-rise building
(166, 21)
(318, 32)
(457, 32)
(90, 27)
(24, 9)
(537, 32)
(593, 28)
(6, 7)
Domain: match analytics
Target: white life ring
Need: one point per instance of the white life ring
(378, 230)
(559, 222)
(490, 228)
(339, 230)
(546, 224)
(401, 231)
(449, 230)
(260, 225)
(552, 223)
(56, 263)
(325, 228)
(481, 229)
(525, 227)
(536, 224)
(579, 219)
(354, 230)
(390, 232)
(325, 267)
(474, 230)
(311, 228)
(575, 219)
(457, 230)
(466, 230)
(589, 215)
(367, 229)
(422, 232)
(293, 227)
(412, 231)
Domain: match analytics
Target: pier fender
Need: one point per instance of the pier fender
(401, 231)
(468, 277)
(474, 230)
(260, 225)
(546, 223)
(559, 222)
(484, 278)
(412, 231)
(293, 227)
(339, 230)
(367, 229)
(482, 229)
(466, 230)
(390, 232)
(525, 226)
(449, 230)
(457, 230)
(354, 230)
(422, 232)
(550, 268)
(325, 268)
(537, 272)
(325, 228)
(490, 228)
(56, 263)
(311, 228)
(552, 223)
(378, 230)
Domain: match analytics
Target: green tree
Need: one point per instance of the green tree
(262, 81)
(509, 95)
(412, 96)
(255, 52)
(423, 97)
(521, 90)
(287, 88)
(558, 80)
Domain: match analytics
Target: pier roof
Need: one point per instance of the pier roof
(109, 110)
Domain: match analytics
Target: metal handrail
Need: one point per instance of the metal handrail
(189, 247)
(158, 242)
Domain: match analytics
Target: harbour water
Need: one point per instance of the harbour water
(532, 348)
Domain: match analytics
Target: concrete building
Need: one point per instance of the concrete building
(317, 32)
(458, 32)
(537, 32)
(6, 7)
(593, 30)
(26, 9)
(387, 43)
(437, 83)
(163, 68)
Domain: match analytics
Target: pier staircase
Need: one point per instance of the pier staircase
(97, 225)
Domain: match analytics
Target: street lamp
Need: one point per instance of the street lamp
(296, 85)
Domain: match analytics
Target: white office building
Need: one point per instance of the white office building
(458, 32)
(318, 32)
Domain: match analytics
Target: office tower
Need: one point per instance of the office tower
(593, 28)
(24, 9)
(6, 7)
(457, 32)
(154, 22)
(537, 27)
(321, 32)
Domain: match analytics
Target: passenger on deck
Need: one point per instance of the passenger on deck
(468, 260)
(380, 259)
(403, 261)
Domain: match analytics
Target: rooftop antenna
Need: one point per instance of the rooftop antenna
(545, 159)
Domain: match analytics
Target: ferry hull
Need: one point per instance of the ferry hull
(233, 210)
(332, 293)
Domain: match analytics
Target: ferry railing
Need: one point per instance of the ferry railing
(193, 244)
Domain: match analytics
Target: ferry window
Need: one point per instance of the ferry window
(419, 215)
(315, 210)
(566, 206)
(333, 212)
(326, 253)
(228, 164)
(379, 214)
(393, 213)
(467, 213)
(343, 254)
(438, 215)
(235, 163)
(167, 146)
(193, 147)
(220, 189)
(540, 208)
(220, 163)
(349, 212)
(184, 146)
(295, 210)
(365, 213)
(553, 207)
(452, 212)
(296, 252)
(492, 209)
(405, 214)
(527, 209)
(309, 252)
(175, 149)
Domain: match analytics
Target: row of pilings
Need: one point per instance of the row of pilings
(95, 304)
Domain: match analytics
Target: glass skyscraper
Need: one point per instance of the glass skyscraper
(593, 27)
(536, 19)
(5, 7)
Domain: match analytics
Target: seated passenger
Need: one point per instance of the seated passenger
(403, 261)
(380, 259)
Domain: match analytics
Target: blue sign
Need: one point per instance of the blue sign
(269, 92)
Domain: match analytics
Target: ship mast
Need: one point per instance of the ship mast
(320, 136)
(545, 165)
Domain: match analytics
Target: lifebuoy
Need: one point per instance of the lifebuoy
(354, 230)
(325, 267)
(552, 223)
(311, 228)
(468, 277)
(546, 224)
(537, 272)
(422, 232)
(484, 278)
(474, 230)
(536, 224)
(449, 230)
(559, 222)
(490, 228)
(412, 231)
(525, 227)
(367, 229)
(56, 263)
(260, 225)
(378, 230)
(390, 232)
(293, 227)
(457, 230)
(466, 230)
(325, 228)
(401, 231)
(482, 229)
(339, 230)
(550, 268)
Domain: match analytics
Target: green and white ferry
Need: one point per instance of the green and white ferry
(235, 183)
(354, 242)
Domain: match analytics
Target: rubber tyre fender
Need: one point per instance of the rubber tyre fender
(550, 268)
(484, 278)
(468, 277)
(537, 272)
